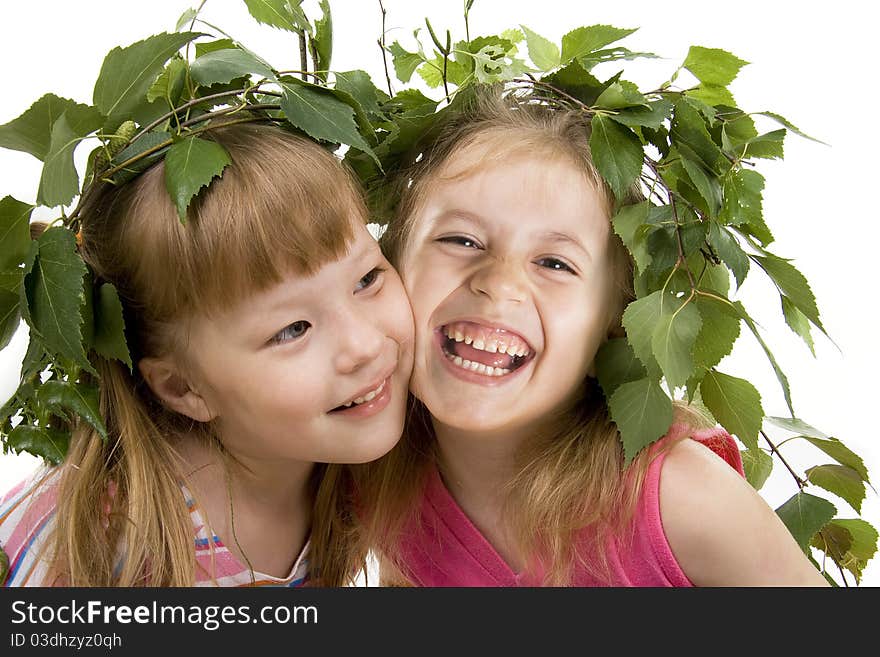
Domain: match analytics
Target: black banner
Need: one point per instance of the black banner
(145, 621)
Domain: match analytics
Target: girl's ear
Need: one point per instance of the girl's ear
(174, 389)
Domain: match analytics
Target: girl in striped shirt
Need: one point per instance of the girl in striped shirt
(271, 340)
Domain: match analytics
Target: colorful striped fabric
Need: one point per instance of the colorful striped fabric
(26, 519)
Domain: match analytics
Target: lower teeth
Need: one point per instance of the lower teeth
(479, 368)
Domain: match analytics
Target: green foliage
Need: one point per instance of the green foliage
(617, 153)
(805, 515)
(643, 413)
(190, 165)
(128, 73)
(226, 65)
(758, 465)
(735, 403)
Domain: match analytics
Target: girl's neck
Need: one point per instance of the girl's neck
(247, 499)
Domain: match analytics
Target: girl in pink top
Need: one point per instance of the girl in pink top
(270, 339)
(510, 471)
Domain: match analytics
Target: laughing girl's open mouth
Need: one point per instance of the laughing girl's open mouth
(484, 350)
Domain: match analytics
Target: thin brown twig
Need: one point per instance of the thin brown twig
(775, 450)
(381, 43)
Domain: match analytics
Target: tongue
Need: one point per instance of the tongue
(467, 352)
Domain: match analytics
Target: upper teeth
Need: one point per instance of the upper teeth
(370, 396)
(496, 345)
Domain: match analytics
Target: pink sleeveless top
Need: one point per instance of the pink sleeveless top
(442, 547)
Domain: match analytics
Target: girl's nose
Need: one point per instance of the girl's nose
(360, 343)
(501, 281)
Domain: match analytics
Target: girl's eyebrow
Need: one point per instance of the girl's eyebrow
(566, 238)
(456, 213)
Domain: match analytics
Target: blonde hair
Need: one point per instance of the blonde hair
(284, 204)
(571, 478)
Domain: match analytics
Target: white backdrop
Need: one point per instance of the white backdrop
(814, 65)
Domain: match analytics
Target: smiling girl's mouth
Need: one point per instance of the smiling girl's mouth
(482, 350)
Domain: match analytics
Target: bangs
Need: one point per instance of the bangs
(285, 205)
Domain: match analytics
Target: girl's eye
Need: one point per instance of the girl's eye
(460, 240)
(555, 264)
(369, 279)
(291, 332)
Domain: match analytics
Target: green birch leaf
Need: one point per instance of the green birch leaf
(513, 35)
(576, 81)
(737, 129)
(543, 52)
(45, 442)
(735, 403)
(190, 165)
(642, 412)
(629, 224)
(769, 146)
(322, 116)
(493, 64)
(15, 233)
(109, 340)
(712, 94)
(718, 333)
(840, 480)
(653, 116)
(795, 425)
(62, 397)
(169, 85)
(204, 47)
(616, 364)
(840, 453)
(359, 85)
(32, 131)
(225, 65)
(790, 126)
(128, 73)
(805, 515)
(851, 543)
(797, 322)
(322, 43)
(87, 311)
(780, 375)
(612, 55)
(742, 197)
(585, 40)
(54, 293)
(10, 281)
(282, 14)
(729, 250)
(757, 465)
(713, 65)
(621, 94)
(673, 340)
(186, 17)
(59, 182)
(792, 284)
(405, 63)
(706, 184)
(9, 316)
(639, 319)
(617, 153)
(691, 137)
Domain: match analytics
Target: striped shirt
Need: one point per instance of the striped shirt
(27, 514)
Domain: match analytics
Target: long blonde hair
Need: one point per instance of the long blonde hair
(571, 478)
(284, 204)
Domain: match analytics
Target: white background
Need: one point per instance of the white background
(811, 62)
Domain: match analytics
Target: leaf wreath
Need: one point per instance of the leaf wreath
(689, 147)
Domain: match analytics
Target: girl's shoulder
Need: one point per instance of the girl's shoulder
(26, 516)
(719, 529)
